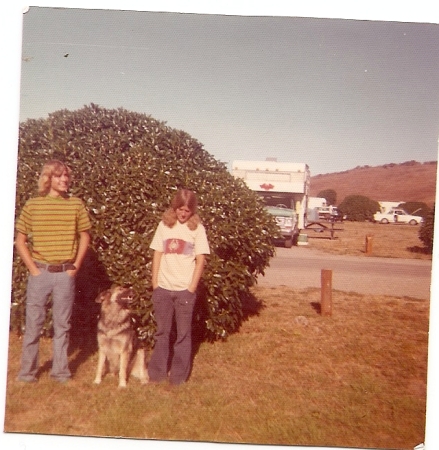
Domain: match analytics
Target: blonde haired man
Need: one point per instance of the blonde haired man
(52, 240)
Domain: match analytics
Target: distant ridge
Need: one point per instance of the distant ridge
(409, 181)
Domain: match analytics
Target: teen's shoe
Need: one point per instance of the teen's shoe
(26, 379)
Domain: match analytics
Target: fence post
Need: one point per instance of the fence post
(369, 240)
(326, 293)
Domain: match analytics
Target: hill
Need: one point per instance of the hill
(410, 181)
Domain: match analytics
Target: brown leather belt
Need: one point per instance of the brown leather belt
(55, 268)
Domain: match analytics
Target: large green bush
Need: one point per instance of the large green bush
(330, 195)
(416, 208)
(426, 231)
(359, 208)
(126, 168)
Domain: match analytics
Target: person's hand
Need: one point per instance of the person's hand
(71, 272)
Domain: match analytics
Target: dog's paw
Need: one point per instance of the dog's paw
(97, 381)
(122, 384)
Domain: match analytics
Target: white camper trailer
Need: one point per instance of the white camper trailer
(385, 207)
(317, 202)
(281, 184)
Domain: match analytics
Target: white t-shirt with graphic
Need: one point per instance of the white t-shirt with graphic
(179, 245)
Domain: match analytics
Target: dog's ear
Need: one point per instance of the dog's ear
(104, 295)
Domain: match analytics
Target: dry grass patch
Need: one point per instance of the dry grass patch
(290, 376)
(390, 241)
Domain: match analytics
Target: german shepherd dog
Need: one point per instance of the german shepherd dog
(117, 339)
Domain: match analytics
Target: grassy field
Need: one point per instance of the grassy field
(289, 377)
(391, 241)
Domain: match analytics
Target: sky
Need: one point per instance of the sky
(331, 93)
(335, 84)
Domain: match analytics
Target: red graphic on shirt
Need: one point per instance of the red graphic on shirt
(175, 246)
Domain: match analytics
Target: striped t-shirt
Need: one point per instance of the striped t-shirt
(52, 225)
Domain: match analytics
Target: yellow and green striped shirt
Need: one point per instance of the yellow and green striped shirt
(52, 225)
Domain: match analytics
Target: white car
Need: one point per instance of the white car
(397, 215)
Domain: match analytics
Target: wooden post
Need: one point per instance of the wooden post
(326, 296)
(369, 240)
(332, 229)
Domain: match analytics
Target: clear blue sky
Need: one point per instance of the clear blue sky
(333, 93)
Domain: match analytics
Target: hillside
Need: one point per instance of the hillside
(406, 182)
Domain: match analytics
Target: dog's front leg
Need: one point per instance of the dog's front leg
(100, 368)
(139, 367)
(123, 369)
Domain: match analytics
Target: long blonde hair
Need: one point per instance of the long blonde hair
(51, 168)
(183, 197)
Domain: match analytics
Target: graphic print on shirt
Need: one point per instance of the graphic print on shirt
(178, 246)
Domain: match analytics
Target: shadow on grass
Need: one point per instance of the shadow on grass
(317, 307)
(250, 306)
(91, 279)
(414, 249)
(419, 250)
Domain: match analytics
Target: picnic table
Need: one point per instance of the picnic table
(320, 227)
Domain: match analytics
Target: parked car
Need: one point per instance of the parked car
(286, 219)
(397, 215)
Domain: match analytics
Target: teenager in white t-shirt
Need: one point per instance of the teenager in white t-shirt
(180, 247)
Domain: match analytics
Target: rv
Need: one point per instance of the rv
(386, 207)
(317, 202)
(284, 188)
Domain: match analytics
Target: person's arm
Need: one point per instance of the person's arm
(198, 271)
(155, 268)
(84, 242)
(25, 255)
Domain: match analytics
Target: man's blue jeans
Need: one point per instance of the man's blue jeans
(62, 287)
(168, 304)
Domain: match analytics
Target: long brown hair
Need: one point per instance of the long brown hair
(51, 168)
(183, 197)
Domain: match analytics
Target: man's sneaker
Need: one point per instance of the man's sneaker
(26, 379)
(63, 380)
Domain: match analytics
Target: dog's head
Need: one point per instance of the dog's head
(123, 296)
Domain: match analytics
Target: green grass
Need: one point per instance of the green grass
(289, 377)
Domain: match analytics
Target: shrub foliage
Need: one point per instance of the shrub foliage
(126, 168)
(416, 208)
(359, 208)
(330, 195)
(426, 231)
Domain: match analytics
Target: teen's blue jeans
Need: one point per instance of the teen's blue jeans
(62, 287)
(167, 305)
